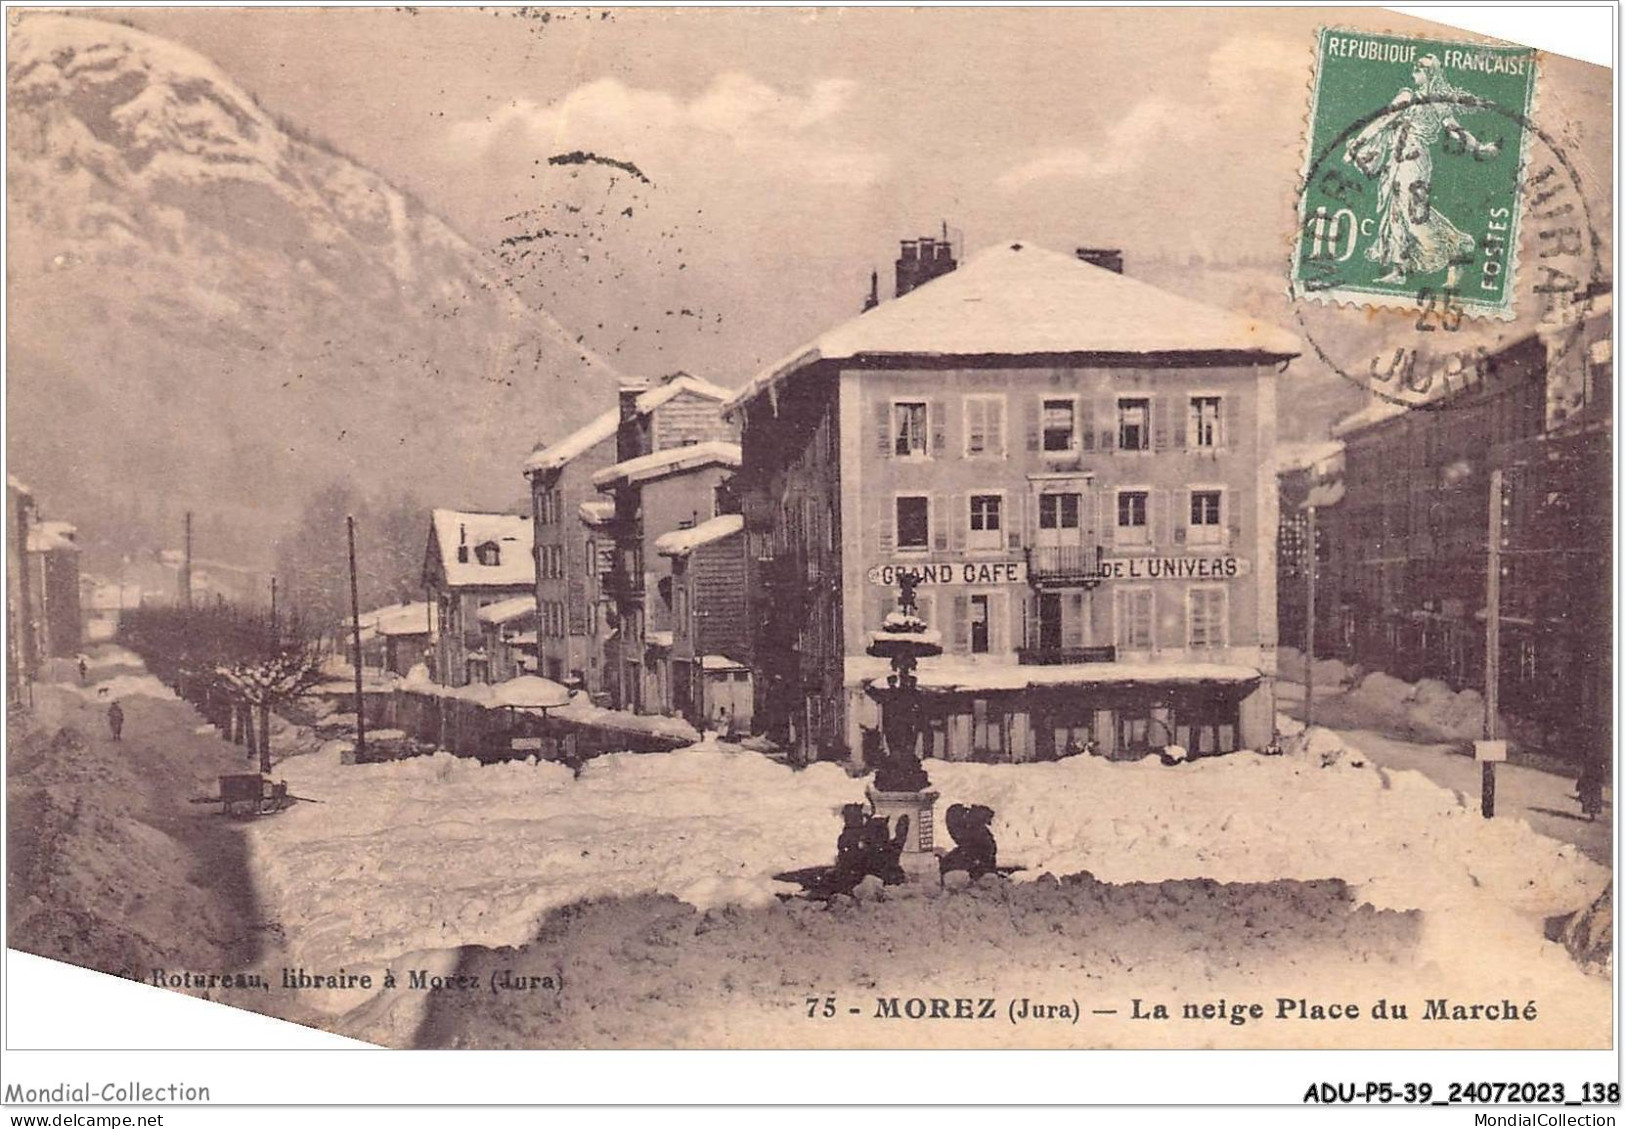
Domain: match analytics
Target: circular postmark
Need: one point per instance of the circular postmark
(1369, 196)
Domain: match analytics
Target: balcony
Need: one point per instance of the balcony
(1064, 566)
(1062, 656)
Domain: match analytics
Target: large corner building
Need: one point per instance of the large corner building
(1078, 468)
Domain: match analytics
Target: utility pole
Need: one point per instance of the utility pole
(186, 565)
(276, 635)
(1492, 638)
(1313, 556)
(355, 627)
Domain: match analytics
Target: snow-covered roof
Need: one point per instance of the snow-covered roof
(1377, 411)
(950, 673)
(1016, 299)
(507, 611)
(720, 663)
(596, 513)
(17, 484)
(552, 456)
(659, 639)
(512, 534)
(682, 542)
(1306, 454)
(397, 619)
(1323, 494)
(673, 460)
(49, 536)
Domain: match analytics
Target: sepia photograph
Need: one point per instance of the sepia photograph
(816, 528)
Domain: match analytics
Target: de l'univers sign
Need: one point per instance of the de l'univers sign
(1224, 567)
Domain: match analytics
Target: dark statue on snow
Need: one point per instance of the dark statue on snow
(975, 850)
(903, 639)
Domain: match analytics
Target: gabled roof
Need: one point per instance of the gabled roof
(552, 456)
(673, 460)
(682, 542)
(1019, 300)
(512, 533)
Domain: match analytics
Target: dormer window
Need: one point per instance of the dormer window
(488, 553)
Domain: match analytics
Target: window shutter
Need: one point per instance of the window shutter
(1089, 516)
(975, 417)
(1230, 410)
(939, 427)
(1108, 517)
(1231, 514)
(883, 428)
(1177, 632)
(1162, 532)
(1086, 424)
(1181, 411)
(958, 520)
(1108, 426)
(995, 427)
(884, 537)
(1159, 423)
(1182, 514)
(1015, 520)
(1030, 413)
(961, 623)
(1072, 621)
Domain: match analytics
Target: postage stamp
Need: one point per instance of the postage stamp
(1411, 187)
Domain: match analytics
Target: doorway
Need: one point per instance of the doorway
(1049, 621)
(979, 636)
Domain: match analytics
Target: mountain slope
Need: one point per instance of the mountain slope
(210, 309)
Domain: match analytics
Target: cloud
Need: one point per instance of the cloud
(776, 132)
(1247, 80)
(1127, 144)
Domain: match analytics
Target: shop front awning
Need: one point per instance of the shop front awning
(959, 675)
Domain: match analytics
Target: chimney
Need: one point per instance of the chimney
(873, 299)
(462, 544)
(1107, 258)
(921, 260)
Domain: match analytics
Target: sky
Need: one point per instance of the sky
(784, 152)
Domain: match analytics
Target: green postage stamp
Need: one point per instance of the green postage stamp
(1412, 182)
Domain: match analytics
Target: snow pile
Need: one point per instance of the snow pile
(1428, 707)
(438, 851)
(1290, 664)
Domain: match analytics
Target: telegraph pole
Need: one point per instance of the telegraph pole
(186, 565)
(276, 634)
(355, 627)
(1309, 629)
(1492, 638)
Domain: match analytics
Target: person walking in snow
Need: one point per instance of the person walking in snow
(115, 720)
(1589, 789)
(84, 671)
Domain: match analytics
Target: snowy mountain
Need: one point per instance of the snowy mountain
(209, 308)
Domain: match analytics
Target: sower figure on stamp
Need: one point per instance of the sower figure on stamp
(1413, 236)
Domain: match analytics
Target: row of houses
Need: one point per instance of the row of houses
(1073, 464)
(42, 587)
(1402, 506)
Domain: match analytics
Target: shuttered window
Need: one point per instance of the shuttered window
(1208, 607)
(986, 521)
(1133, 517)
(1134, 622)
(1059, 511)
(1205, 416)
(984, 427)
(910, 430)
(1206, 518)
(1060, 424)
(913, 522)
(1134, 424)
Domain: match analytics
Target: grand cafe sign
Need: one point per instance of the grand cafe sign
(1224, 567)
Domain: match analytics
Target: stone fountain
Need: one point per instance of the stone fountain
(901, 786)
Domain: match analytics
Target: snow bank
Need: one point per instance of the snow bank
(1290, 664)
(1429, 707)
(435, 852)
(439, 851)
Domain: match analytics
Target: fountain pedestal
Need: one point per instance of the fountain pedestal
(919, 857)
